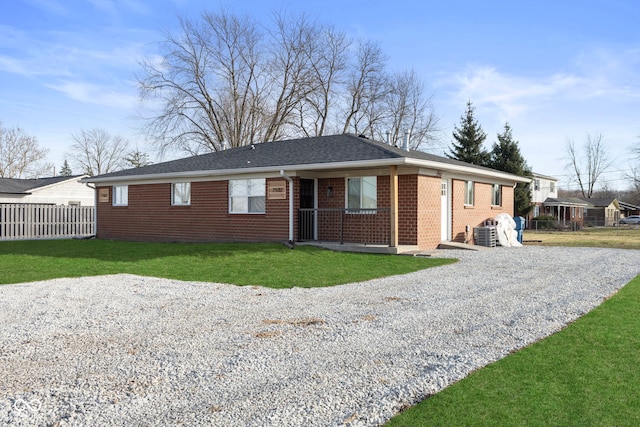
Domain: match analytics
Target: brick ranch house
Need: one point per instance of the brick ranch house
(340, 188)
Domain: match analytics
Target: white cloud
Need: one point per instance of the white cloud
(96, 94)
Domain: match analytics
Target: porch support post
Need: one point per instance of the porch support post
(393, 214)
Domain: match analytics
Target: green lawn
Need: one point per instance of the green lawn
(586, 375)
(271, 265)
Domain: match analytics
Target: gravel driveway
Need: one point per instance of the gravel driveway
(129, 350)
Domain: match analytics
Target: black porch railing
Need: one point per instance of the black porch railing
(363, 226)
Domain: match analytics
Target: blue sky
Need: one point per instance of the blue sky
(555, 70)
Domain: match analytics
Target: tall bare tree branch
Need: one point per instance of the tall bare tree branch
(587, 165)
(20, 154)
(97, 152)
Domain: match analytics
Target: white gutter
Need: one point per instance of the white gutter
(95, 209)
(288, 178)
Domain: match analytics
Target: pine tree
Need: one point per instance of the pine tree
(469, 137)
(65, 170)
(506, 157)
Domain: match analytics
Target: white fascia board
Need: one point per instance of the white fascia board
(468, 172)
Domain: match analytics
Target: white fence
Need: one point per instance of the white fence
(24, 221)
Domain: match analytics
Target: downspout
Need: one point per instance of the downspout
(95, 209)
(288, 178)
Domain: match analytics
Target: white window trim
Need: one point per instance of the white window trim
(174, 202)
(466, 193)
(359, 210)
(114, 201)
(264, 195)
(493, 195)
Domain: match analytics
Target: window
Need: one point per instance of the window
(552, 187)
(468, 193)
(247, 195)
(181, 193)
(496, 199)
(120, 195)
(536, 185)
(362, 193)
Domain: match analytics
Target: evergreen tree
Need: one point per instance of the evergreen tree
(506, 157)
(65, 170)
(469, 138)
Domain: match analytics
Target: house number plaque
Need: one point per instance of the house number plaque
(103, 194)
(277, 190)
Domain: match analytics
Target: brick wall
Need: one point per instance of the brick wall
(476, 215)
(150, 216)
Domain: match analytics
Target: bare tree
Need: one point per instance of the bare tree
(409, 109)
(366, 88)
(587, 165)
(96, 152)
(20, 154)
(207, 85)
(226, 80)
(327, 53)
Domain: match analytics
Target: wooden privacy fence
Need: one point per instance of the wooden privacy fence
(24, 221)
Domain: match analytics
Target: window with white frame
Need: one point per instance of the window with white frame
(247, 195)
(181, 193)
(120, 195)
(496, 197)
(536, 185)
(552, 187)
(362, 193)
(468, 193)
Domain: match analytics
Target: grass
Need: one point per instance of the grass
(270, 265)
(586, 374)
(596, 237)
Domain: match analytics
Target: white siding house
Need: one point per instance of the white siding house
(542, 188)
(59, 190)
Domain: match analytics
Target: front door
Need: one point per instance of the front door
(306, 217)
(444, 210)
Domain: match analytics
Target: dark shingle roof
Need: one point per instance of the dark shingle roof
(304, 151)
(23, 186)
(600, 202)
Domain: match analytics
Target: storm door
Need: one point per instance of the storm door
(307, 215)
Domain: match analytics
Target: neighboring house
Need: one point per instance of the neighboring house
(542, 188)
(568, 211)
(628, 209)
(340, 188)
(59, 190)
(603, 211)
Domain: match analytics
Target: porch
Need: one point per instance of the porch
(366, 227)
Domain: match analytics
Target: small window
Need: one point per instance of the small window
(120, 195)
(247, 195)
(496, 199)
(552, 187)
(181, 194)
(536, 185)
(468, 193)
(443, 189)
(362, 193)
